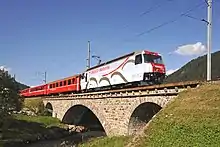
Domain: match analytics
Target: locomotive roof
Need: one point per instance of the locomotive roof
(118, 58)
(110, 61)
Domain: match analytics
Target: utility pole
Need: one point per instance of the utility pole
(209, 40)
(45, 77)
(88, 56)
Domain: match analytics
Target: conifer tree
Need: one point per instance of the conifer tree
(9, 97)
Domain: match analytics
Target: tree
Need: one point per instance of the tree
(9, 97)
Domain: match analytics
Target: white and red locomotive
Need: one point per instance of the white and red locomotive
(140, 67)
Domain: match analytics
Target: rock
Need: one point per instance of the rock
(56, 132)
(81, 129)
(72, 127)
(26, 111)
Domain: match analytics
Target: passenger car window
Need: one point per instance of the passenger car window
(69, 81)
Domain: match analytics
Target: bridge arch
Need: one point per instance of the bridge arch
(49, 109)
(142, 112)
(82, 115)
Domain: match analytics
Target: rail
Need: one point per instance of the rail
(154, 90)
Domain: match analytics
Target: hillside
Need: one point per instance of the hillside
(196, 70)
(192, 119)
(19, 85)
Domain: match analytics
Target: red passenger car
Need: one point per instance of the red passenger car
(67, 85)
(25, 92)
(70, 84)
(38, 90)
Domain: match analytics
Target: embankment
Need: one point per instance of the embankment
(191, 119)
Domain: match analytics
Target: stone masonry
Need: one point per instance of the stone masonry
(113, 113)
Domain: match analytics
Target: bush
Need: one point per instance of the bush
(36, 105)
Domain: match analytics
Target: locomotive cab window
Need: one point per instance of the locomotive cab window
(152, 59)
(138, 59)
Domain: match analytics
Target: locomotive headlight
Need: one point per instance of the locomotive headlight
(157, 69)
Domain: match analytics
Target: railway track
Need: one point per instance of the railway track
(163, 89)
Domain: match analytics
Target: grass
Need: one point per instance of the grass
(192, 119)
(106, 142)
(46, 121)
(21, 128)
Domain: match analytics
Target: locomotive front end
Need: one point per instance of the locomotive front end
(157, 72)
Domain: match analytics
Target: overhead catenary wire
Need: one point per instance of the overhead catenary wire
(199, 19)
(151, 9)
(192, 17)
(196, 18)
(158, 5)
(171, 21)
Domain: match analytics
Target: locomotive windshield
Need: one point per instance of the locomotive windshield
(152, 59)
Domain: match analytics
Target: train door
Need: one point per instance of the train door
(84, 81)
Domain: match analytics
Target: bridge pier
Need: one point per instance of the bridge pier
(54, 114)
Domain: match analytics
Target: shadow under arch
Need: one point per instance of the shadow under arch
(141, 116)
(49, 109)
(81, 115)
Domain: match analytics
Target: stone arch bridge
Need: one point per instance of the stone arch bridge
(118, 113)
